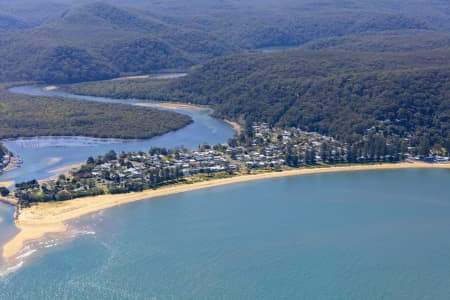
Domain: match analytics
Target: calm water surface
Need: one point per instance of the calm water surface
(362, 235)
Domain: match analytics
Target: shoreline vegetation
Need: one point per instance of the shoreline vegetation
(40, 219)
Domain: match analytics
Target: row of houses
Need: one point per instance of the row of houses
(430, 159)
(270, 147)
(159, 167)
(266, 149)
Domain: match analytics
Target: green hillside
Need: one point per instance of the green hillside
(386, 41)
(338, 93)
(71, 43)
(101, 41)
(362, 66)
(8, 23)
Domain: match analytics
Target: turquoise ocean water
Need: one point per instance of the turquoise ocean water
(361, 235)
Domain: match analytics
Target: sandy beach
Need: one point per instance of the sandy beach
(137, 77)
(13, 163)
(173, 105)
(66, 169)
(151, 76)
(6, 184)
(236, 126)
(9, 200)
(51, 88)
(38, 220)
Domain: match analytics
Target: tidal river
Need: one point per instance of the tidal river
(357, 235)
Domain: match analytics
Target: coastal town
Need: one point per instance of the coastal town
(259, 148)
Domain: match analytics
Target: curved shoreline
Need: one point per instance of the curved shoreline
(45, 218)
(174, 105)
(6, 184)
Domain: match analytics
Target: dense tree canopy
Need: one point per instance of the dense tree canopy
(80, 41)
(38, 116)
(338, 93)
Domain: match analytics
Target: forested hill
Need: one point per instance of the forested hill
(99, 41)
(338, 93)
(8, 23)
(72, 41)
(386, 41)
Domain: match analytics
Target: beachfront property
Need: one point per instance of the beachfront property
(260, 149)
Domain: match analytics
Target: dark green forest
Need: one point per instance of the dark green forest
(362, 66)
(343, 94)
(386, 41)
(26, 116)
(100, 41)
(74, 41)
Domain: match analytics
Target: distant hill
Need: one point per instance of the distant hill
(36, 12)
(8, 23)
(386, 41)
(101, 41)
(70, 43)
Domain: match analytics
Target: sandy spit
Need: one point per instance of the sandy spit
(173, 105)
(51, 88)
(44, 218)
(236, 126)
(6, 184)
(66, 169)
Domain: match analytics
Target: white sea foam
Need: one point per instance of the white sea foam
(88, 232)
(11, 269)
(19, 261)
(26, 254)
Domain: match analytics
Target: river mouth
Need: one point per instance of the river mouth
(46, 157)
(41, 155)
